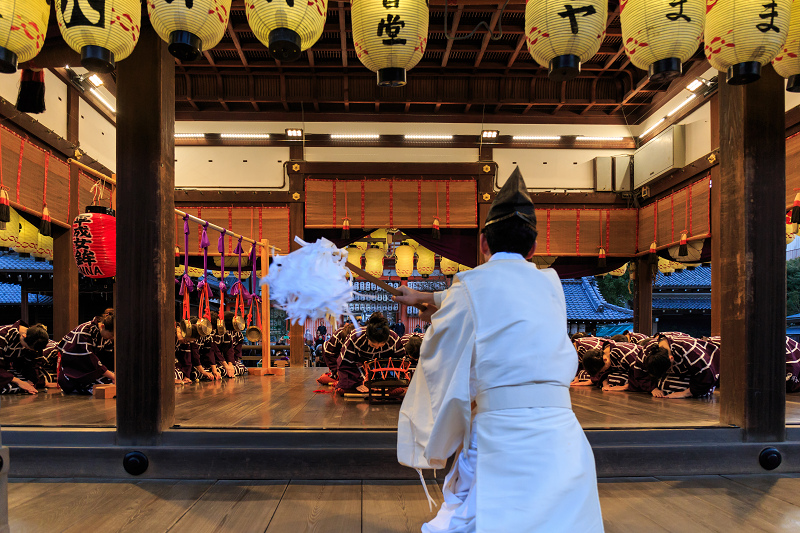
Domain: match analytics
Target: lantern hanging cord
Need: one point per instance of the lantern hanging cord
(207, 224)
(98, 191)
(483, 23)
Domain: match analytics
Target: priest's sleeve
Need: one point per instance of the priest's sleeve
(435, 416)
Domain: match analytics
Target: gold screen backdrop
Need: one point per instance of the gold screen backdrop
(396, 203)
(255, 222)
(23, 174)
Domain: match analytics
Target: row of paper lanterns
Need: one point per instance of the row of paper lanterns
(388, 39)
(404, 255)
(23, 237)
(658, 35)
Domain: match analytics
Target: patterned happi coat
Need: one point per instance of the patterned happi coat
(695, 366)
(623, 356)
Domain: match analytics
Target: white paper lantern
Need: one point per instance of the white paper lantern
(23, 27)
(390, 37)
(448, 267)
(743, 35)
(189, 26)
(562, 36)
(374, 261)
(286, 27)
(404, 264)
(28, 239)
(659, 36)
(103, 31)
(787, 62)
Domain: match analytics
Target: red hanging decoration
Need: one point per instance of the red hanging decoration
(45, 226)
(796, 212)
(346, 221)
(94, 242)
(683, 249)
(436, 233)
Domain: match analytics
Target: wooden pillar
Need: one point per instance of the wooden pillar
(752, 256)
(65, 269)
(296, 229)
(716, 226)
(266, 359)
(145, 325)
(643, 297)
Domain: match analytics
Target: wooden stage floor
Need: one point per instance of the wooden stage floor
(707, 504)
(294, 401)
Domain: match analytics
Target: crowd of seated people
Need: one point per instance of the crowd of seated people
(667, 365)
(209, 357)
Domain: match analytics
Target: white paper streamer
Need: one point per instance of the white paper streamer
(311, 282)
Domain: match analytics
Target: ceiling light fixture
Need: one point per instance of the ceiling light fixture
(490, 134)
(651, 128)
(428, 137)
(357, 136)
(536, 138)
(244, 135)
(190, 135)
(583, 138)
(682, 105)
(694, 85)
(102, 100)
(95, 80)
(294, 133)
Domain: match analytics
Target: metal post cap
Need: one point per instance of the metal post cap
(135, 463)
(769, 458)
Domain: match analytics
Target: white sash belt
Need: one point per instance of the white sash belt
(522, 396)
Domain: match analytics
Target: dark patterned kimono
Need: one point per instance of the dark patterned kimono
(404, 340)
(210, 355)
(80, 367)
(636, 337)
(792, 365)
(187, 356)
(583, 345)
(11, 349)
(332, 349)
(40, 367)
(695, 366)
(623, 356)
(231, 347)
(357, 351)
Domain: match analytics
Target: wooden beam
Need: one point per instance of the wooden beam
(488, 35)
(145, 326)
(238, 45)
(752, 255)
(65, 270)
(643, 297)
(454, 30)
(520, 44)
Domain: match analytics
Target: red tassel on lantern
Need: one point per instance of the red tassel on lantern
(652, 258)
(45, 226)
(346, 228)
(94, 242)
(5, 209)
(31, 91)
(683, 249)
(436, 233)
(601, 258)
(796, 212)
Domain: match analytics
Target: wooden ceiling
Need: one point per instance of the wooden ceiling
(475, 79)
(485, 77)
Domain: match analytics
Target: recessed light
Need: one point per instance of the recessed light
(651, 128)
(536, 138)
(682, 105)
(102, 100)
(584, 138)
(244, 135)
(428, 137)
(294, 133)
(190, 135)
(490, 134)
(362, 136)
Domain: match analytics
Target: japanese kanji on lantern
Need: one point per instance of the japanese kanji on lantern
(404, 260)
(94, 242)
(390, 37)
(23, 26)
(741, 36)
(561, 36)
(787, 62)
(286, 27)
(103, 31)
(189, 26)
(660, 35)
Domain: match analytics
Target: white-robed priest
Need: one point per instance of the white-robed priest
(492, 384)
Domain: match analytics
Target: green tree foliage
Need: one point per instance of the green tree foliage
(615, 290)
(792, 287)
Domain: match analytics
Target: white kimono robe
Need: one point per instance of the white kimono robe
(500, 339)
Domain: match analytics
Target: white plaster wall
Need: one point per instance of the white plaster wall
(98, 137)
(230, 167)
(551, 169)
(392, 155)
(55, 100)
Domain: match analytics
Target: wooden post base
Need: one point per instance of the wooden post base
(278, 371)
(105, 392)
(261, 371)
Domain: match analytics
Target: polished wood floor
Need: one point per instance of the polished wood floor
(296, 400)
(708, 504)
